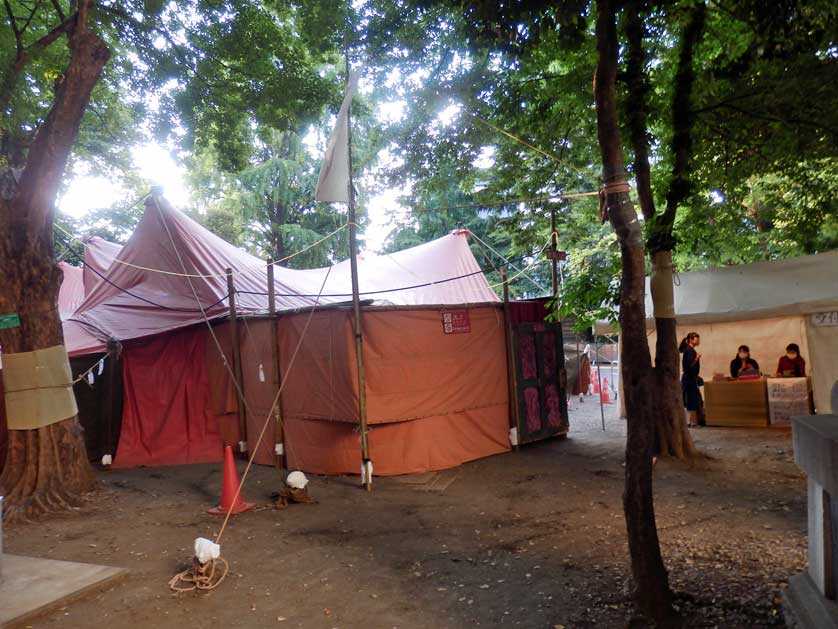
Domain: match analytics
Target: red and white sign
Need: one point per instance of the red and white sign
(456, 322)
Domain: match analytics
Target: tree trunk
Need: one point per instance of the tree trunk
(674, 438)
(651, 583)
(46, 469)
(672, 434)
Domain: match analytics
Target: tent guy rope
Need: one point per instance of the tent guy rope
(505, 259)
(199, 579)
(213, 275)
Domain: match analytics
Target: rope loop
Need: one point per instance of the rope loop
(200, 576)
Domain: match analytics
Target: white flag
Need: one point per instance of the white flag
(333, 182)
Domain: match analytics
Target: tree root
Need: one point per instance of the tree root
(46, 472)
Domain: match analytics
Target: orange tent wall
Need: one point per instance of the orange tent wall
(434, 400)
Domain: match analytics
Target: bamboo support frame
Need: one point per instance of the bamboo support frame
(237, 362)
(277, 379)
(356, 307)
(111, 364)
(512, 382)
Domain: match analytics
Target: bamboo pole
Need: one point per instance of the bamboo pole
(512, 383)
(554, 245)
(111, 364)
(279, 447)
(356, 308)
(237, 362)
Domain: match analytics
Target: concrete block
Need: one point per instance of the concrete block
(816, 449)
(33, 586)
(806, 608)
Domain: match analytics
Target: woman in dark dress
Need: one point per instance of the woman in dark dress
(742, 362)
(690, 368)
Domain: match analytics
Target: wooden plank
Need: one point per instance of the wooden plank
(736, 403)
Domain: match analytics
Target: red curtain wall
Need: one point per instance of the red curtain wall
(168, 416)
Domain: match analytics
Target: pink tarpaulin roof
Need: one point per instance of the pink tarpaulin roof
(146, 292)
(98, 256)
(71, 293)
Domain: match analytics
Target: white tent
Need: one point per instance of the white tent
(766, 306)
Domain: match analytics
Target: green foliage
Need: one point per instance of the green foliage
(770, 216)
(764, 132)
(269, 207)
(224, 221)
(592, 286)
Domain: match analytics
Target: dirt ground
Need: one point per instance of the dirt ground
(534, 538)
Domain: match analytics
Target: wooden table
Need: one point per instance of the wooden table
(736, 403)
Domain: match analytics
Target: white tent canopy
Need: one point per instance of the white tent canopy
(764, 305)
(803, 285)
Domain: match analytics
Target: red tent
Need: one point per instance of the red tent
(436, 396)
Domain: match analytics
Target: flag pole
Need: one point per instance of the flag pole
(366, 464)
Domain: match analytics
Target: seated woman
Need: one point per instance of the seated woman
(742, 362)
(792, 364)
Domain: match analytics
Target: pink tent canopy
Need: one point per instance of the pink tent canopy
(98, 256)
(147, 293)
(71, 293)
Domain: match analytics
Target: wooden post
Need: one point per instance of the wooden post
(512, 383)
(356, 306)
(111, 365)
(237, 362)
(554, 246)
(279, 444)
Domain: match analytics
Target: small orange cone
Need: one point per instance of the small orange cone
(606, 398)
(595, 375)
(228, 489)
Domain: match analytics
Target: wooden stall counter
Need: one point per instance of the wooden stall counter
(742, 403)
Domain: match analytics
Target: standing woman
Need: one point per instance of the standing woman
(690, 380)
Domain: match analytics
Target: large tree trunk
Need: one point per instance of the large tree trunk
(651, 583)
(47, 468)
(673, 436)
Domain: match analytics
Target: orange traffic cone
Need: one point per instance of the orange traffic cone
(606, 398)
(229, 486)
(595, 377)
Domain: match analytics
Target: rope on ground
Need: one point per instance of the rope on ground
(218, 346)
(197, 574)
(200, 577)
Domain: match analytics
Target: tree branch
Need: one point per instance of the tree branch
(57, 6)
(679, 185)
(83, 8)
(638, 87)
(32, 13)
(769, 118)
(45, 41)
(13, 23)
(50, 150)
